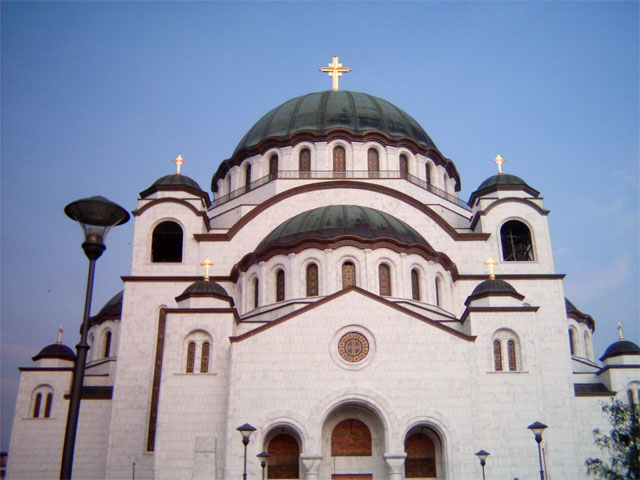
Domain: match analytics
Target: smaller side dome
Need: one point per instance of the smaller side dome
(56, 350)
(502, 182)
(621, 347)
(173, 182)
(493, 287)
(110, 311)
(205, 288)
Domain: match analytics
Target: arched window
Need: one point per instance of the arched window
(384, 279)
(351, 438)
(273, 167)
(107, 344)
(516, 242)
(191, 356)
(497, 355)
(247, 177)
(280, 285)
(438, 292)
(204, 358)
(36, 405)
(339, 162)
(304, 163)
(166, 243)
(47, 405)
(404, 166)
(256, 293)
(427, 173)
(511, 353)
(312, 280)
(415, 284)
(348, 274)
(284, 461)
(573, 346)
(421, 456)
(373, 162)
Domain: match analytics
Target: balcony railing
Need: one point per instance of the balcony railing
(347, 174)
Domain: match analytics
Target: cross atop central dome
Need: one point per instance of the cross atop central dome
(321, 112)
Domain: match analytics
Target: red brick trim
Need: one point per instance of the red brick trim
(489, 294)
(469, 310)
(515, 276)
(200, 311)
(502, 188)
(359, 290)
(523, 201)
(179, 201)
(176, 188)
(167, 278)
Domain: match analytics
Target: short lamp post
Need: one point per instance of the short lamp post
(537, 428)
(482, 455)
(96, 216)
(263, 456)
(246, 430)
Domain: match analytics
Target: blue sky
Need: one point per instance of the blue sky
(98, 98)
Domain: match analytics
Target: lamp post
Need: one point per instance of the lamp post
(537, 428)
(263, 456)
(96, 216)
(482, 455)
(246, 430)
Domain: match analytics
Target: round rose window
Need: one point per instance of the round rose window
(353, 347)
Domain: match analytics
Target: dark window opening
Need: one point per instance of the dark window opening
(191, 356)
(256, 293)
(284, 457)
(511, 353)
(273, 167)
(404, 166)
(107, 344)
(166, 243)
(384, 278)
(204, 360)
(280, 286)
(427, 174)
(415, 285)
(373, 162)
(348, 275)
(47, 405)
(312, 280)
(421, 457)
(305, 162)
(36, 407)
(497, 355)
(516, 242)
(247, 177)
(339, 160)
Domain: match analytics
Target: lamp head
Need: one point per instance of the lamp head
(482, 455)
(263, 456)
(246, 430)
(537, 428)
(96, 216)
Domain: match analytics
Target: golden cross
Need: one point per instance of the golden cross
(620, 330)
(499, 160)
(178, 161)
(335, 70)
(491, 263)
(60, 335)
(207, 264)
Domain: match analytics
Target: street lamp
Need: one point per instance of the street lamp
(482, 455)
(96, 216)
(246, 430)
(263, 456)
(537, 428)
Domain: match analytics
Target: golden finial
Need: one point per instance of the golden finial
(178, 161)
(499, 160)
(491, 263)
(207, 264)
(335, 70)
(620, 330)
(60, 334)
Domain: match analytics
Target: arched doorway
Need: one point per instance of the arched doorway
(424, 454)
(283, 446)
(353, 445)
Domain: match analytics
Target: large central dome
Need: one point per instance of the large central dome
(321, 112)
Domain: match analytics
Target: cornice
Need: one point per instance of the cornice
(179, 201)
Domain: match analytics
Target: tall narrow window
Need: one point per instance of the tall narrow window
(166, 243)
(373, 162)
(516, 242)
(497, 355)
(572, 344)
(47, 405)
(91, 352)
(107, 344)
(304, 163)
(312, 280)
(273, 167)
(247, 177)
(427, 174)
(404, 166)
(384, 279)
(511, 353)
(36, 406)
(191, 356)
(438, 292)
(280, 286)
(339, 162)
(256, 293)
(348, 274)
(415, 284)
(204, 359)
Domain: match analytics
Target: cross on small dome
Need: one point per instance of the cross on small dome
(178, 161)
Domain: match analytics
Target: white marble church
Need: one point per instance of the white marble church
(353, 314)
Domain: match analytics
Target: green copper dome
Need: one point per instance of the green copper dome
(342, 220)
(320, 112)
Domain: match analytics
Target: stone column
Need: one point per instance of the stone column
(291, 286)
(402, 276)
(262, 290)
(311, 465)
(396, 465)
(364, 275)
(327, 287)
